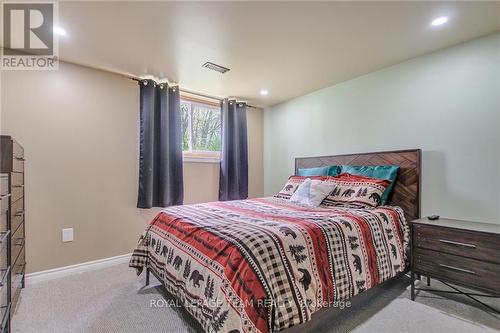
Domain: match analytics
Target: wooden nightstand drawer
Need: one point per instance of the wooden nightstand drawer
(466, 243)
(465, 271)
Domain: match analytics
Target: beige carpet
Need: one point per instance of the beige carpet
(114, 300)
(403, 315)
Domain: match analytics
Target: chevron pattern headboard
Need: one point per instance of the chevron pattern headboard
(406, 192)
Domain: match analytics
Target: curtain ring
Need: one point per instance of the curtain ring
(145, 82)
(161, 86)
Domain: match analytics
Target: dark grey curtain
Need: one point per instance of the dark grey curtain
(160, 164)
(233, 181)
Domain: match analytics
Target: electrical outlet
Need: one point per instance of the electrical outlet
(67, 235)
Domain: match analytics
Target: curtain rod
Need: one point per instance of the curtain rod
(189, 91)
(135, 78)
(182, 89)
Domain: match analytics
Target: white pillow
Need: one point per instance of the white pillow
(312, 192)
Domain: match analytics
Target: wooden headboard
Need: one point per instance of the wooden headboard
(406, 192)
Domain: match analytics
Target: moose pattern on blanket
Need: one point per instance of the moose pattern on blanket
(263, 265)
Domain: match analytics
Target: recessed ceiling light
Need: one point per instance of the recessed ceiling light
(59, 31)
(439, 21)
(264, 92)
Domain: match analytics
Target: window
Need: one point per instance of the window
(201, 130)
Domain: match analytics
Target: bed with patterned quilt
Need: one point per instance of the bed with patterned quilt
(263, 265)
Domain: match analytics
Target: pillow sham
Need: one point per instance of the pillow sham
(388, 172)
(312, 192)
(355, 191)
(334, 170)
(292, 184)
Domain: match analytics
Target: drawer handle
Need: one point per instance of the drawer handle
(458, 269)
(457, 243)
(5, 236)
(19, 158)
(18, 186)
(4, 196)
(19, 213)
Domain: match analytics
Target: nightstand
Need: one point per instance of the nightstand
(463, 253)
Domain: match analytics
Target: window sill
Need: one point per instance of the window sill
(201, 160)
(201, 157)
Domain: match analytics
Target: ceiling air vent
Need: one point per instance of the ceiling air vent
(215, 67)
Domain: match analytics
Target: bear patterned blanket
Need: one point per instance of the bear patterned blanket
(263, 265)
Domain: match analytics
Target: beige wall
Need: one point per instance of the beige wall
(79, 128)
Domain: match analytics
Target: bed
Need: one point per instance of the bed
(265, 265)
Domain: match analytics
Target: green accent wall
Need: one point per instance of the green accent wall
(447, 103)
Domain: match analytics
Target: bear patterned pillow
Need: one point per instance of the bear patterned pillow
(355, 191)
(311, 192)
(292, 184)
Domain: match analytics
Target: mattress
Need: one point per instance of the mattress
(263, 265)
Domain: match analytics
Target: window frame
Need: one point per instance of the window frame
(200, 156)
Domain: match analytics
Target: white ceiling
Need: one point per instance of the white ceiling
(288, 48)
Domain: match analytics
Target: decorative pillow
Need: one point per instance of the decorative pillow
(321, 171)
(355, 191)
(388, 172)
(332, 170)
(292, 184)
(312, 192)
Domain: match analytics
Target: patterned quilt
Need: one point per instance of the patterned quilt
(263, 265)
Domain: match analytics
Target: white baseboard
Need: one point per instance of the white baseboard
(75, 269)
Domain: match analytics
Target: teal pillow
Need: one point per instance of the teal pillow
(321, 171)
(389, 172)
(332, 170)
